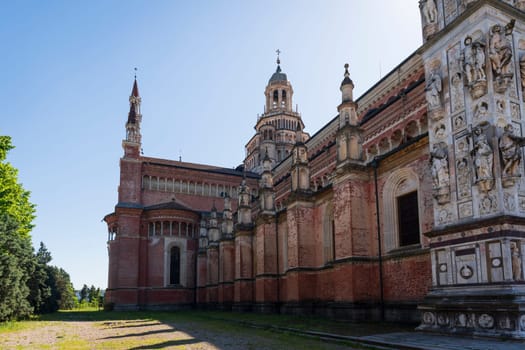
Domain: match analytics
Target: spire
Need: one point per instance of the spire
(278, 76)
(347, 79)
(135, 90)
(134, 116)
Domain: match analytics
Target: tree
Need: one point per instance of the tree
(64, 287)
(40, 291)
(15, 261)
(84, 292)
(16, 258)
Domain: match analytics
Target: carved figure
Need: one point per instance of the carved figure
(473, 58)
(500, 49)
(516, 261)
(439, 165)
(457, 92)
(433, 90)
(479, 66)
(483, 161)
(510, 148)
(482, 111)
(429, 10)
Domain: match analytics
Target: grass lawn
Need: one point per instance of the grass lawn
(91, 329)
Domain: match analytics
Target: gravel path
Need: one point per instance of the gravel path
(152, 334)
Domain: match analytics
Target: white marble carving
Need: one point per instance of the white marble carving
(500, 54)
(510, 148)
(483, 161)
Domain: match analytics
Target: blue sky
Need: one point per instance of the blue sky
(67, 72)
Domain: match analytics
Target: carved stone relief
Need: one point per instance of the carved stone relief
(428, 318)
(444, 216)
(516, 261)
(433, 90)
(500, 55)
(473, 62)
(506, 323)
(463, 178)
(440, 172)
(459, 122)
(440, 131)
(521, 203)
(522, 322)
(463, 173)
(457, 96)
(483, 159)
(486, 321)
(487, 204)
(456, 92)
(509, 202)
(465, 210)
(481, 112)
(515, 111)
(451, 10)
(510, 148)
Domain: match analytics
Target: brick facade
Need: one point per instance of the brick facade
(311, 224)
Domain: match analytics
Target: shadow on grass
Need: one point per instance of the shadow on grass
(223, 319)
(168, 343)
(141, 334)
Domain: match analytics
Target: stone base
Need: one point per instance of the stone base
(480, 310)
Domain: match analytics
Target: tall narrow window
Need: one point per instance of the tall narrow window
(283, 98)
(408, 219)
(175, 265)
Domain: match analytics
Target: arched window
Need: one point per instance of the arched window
(283, 98)
(401, 226)
(175, 265)
(275, 98)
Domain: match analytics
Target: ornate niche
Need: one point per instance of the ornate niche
(500, 55)
(473, 62)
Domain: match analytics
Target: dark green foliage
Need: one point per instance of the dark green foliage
(52, 285)
(16, 259)
(40, 290)
(15, 263)
(64, 289)
(84, 292)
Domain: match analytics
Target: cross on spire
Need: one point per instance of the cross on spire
(278, 52)
(135, 69)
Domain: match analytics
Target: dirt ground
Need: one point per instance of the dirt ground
(152, 334)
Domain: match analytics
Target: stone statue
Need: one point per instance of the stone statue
(500, 49)
(473, 62)
(440, 172)
(439, 165)
(510, 148)
(483, 161)
(516, 261)
(429, 9)
(433, 90)
(473, 58)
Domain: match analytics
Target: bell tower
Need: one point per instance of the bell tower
(130, 165)
(276, 127)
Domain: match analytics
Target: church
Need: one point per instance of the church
(408, 206)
